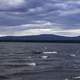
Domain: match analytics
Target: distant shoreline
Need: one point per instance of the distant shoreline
(57, 41)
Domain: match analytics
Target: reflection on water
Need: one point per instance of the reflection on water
(34, 61)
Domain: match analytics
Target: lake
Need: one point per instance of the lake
(31, 61)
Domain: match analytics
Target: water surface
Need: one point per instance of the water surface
(18, 61)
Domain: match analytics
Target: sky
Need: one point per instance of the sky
(35, 17)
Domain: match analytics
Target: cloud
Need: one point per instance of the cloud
(9, 4)
(31, 32)
(37, 9)
(68, 7)
(67, 33)
(22, 17)
(69, 12)
(38, 29)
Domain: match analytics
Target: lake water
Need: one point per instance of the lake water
(18, 61)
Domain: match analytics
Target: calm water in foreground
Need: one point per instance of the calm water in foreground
(18, 61)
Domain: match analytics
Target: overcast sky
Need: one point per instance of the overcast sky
(34, 17)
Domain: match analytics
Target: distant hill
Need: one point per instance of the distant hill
(44, 37)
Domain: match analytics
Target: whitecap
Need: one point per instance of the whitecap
(50, 52)
(73, 55)
(31, 64)
(44, 57)
(66, 79)
(77, 77)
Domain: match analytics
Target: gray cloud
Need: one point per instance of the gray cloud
(11, 4)
(34, 13)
